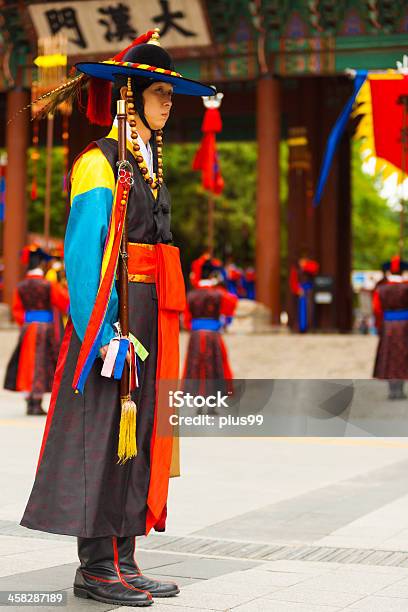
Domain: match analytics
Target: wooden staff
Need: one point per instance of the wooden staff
(123, 273)
(127, 434)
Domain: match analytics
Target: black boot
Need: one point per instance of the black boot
(34, 407)
(99, 578)
(130, 571)
(399, 390)
(396, 390)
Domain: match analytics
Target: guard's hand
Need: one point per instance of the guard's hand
(103, 350)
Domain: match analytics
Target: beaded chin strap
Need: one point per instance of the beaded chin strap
(131, 112)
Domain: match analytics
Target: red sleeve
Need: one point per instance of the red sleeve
(59, 297)
(17, 308)
(228, 303)
(294, 281)
(187, 317)
(377, 309)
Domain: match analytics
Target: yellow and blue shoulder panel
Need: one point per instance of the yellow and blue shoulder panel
(92, 191)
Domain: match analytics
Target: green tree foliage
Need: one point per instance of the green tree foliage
(58, 199)
(375, 225)
(235, 208)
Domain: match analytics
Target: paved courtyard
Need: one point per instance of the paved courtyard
(298, 524)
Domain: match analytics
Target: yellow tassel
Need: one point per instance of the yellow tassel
(127, 431)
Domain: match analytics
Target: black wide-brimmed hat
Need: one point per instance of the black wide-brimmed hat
(145, 58)
(396, 265)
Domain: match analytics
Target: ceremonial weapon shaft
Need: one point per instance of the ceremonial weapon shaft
(123, 268)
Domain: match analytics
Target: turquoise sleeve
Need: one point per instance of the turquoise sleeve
(84, 243)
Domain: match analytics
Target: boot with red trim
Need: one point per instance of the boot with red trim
(99, 578)
(130, 571)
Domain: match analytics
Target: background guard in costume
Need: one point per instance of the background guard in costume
(207, 359)
(301, 282)
(32, 365)
(80, 488)
(390, 307)
(249, 282)
(234, 277)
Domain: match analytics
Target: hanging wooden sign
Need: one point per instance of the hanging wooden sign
(105, 26)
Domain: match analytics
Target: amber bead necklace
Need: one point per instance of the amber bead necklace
(131, 112)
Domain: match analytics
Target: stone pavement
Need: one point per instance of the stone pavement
(255, 524)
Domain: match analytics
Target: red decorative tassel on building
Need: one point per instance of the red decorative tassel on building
(34, 193)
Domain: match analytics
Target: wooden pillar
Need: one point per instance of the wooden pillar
(344, 321)
(326, 231)
(335, 212)
(299, 208)
(15, 225)
(267, 214)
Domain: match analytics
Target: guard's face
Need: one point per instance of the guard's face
(157, 104)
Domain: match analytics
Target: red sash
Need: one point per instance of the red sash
(161, 263)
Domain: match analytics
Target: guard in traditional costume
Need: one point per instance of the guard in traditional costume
(81, 488)
(207, 305)
(234, 278)
(32, 365)
(301, 283)
(390, 307)
(249, 282)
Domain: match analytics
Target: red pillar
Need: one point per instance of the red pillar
(267, 215)
(15, 225)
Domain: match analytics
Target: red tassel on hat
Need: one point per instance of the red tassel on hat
(98, 109)
(99, 101)
(144, 38)
(395, 264)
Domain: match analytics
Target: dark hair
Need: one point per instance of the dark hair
(139, 84)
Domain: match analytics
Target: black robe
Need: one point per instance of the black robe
(80, 489)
